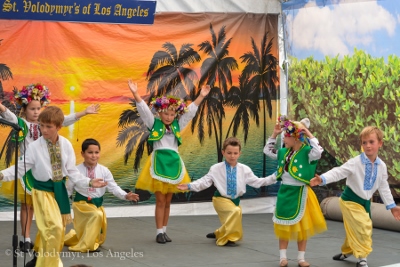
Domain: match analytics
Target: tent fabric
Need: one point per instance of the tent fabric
(228, 6)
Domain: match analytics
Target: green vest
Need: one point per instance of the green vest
(159, 129)
(299, 167)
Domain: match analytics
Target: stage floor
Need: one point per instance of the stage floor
(131, 242)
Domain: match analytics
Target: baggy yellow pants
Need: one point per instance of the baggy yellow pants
(230, 217)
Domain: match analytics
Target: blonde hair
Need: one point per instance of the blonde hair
(370, 130)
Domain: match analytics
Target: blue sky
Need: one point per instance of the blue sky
(319, 30)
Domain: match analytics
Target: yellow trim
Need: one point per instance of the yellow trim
(298, 206)
(161, 175)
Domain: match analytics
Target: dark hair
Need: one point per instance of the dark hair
(232, 141)
(52, 115)
(88, 142)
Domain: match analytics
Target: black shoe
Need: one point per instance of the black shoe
(32, 263)
(211, 235)
(230, 244)
(362, 263)
(339, 257)
(25, 246)
(167, 239)
(160, 238)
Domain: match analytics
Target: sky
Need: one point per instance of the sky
(317, 30)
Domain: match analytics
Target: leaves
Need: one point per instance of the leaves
(341, 96)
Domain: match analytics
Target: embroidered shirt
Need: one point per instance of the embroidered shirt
(217, 175)
(363, 177)
(230, 180)
(99, 171)
(55, 159)
(37, 159)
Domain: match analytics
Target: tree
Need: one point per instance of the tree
(242, 99)
(216, 68)
(8, 147)
(134, 133)
(168, 72)
(260, 72)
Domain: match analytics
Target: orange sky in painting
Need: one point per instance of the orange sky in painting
(82, 60)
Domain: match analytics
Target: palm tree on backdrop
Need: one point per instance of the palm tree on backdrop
(260, 72)
(216, 69)
(168, 74)
(8, 147)
(134, 133)
(243, 100)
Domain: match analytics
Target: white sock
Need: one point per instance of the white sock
(160, 231)
(164, 229)
(300, 256)
(28, 239)
(22, 238)
(282, 254)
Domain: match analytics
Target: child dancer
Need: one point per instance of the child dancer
(90, 221)
(365, 174)
(51, 158)
(164, 168)
(31, 98)
(297, 214)
(230, 178)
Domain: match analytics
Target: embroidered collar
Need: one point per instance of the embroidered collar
(89, 167)
(365, 160)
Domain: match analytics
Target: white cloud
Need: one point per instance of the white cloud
(338, 28)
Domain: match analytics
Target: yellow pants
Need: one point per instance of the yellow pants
(90, 225)
(358, 227)
(230, 217)
(50, 237)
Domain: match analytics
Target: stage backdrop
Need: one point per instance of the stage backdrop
(344, 74)
(86, 63)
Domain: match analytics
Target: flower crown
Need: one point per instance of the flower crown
(291, 128)
(31, 92)
(164, 103)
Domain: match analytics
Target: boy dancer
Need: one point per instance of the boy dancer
(230, 178)
(365, 174)
(90, 221)
(51, 158)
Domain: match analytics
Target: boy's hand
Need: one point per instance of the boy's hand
(92, 109)
(317, 180)
(182, 187)
(205, 89)
(132, 196)
(98, 182)
(132, 86)
(396, 212)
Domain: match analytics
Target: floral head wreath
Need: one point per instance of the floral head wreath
(31, 92)
(164, 103)
(291, 128)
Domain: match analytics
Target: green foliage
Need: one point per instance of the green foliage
(341, 96)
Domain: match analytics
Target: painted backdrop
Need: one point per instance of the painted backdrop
(84, 63)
